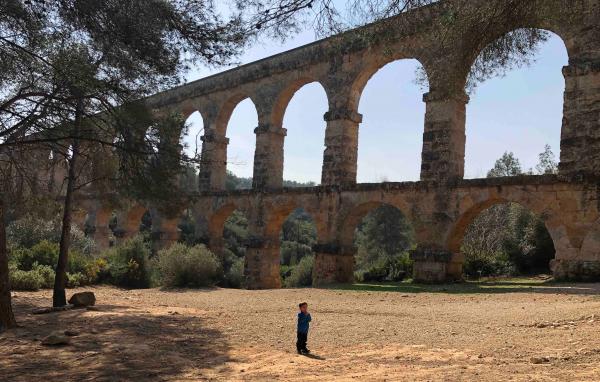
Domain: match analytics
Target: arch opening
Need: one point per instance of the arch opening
(519, 112)
(234, 235)
(191, 143)
(242, 141)
(193, 228)
(503, 238)
(391, 133)
(382, 238)
(297, 237)
(304, 143)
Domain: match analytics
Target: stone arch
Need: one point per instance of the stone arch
(291, 254)
(300, 110)
(531, 123)
(471, 212)
(457, 234)
(462, 71)
(132, 220)
(285, 96)
(226, 110)
(393, 115)
(216, 221)
(239, 134)
(351, 219)
(191, 135)
(276, 216)
(372, 66)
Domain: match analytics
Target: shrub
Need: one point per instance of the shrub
(97, 270)
(234, 277)
(394, 268)
(25, 280)
(75, 280)
(377, 272)
(399, 267)
(30, 230)
(479, 264)
(292, 252)
(128, 264)
(183, 266)
(301, 274)
(42, 253)
(47, 274)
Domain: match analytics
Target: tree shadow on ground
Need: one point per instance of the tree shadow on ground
(115, 343)
(475, 287)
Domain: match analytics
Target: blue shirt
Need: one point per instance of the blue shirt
(303, 322)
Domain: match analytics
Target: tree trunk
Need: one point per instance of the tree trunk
(59, 297)
(7, 318)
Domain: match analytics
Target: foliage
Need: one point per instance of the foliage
(383, 239)
(75, 280)
(39, 276)
(234, 182)
(301, 275)
(507, 165)
(25, 280)
(30, 230)
(395, 268)
(547, 162)
(183, 266)
(234, 277)
(507, 239)
(46, 273)
(293, 251)
(193, 231)
(43, 253)
(235, 233)
(128, 264)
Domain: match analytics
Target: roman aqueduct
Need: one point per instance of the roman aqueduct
(441, 205)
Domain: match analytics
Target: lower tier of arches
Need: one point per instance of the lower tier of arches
(439, 214)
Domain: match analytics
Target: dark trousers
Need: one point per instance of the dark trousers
(301, 343)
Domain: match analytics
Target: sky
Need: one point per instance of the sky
(519, 113)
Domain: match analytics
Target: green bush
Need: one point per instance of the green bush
(75, 280)
(301, 275)
(47, 274)
(395, 268)
(128, 264)
(42, 253)
(30, 230)
(234, 277)
(25, 280)
(482, 265)
(183, 266)
(292, 252)
(377, 272)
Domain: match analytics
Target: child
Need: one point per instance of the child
(303, 323)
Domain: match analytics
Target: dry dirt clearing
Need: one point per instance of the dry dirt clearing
(495, 332)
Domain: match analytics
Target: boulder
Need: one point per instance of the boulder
(56, 339)
(83, 299)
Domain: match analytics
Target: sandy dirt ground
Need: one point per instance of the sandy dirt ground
(544, 333)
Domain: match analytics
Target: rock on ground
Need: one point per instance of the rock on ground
(83, 299)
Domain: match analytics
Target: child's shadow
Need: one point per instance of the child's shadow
(314, 356)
